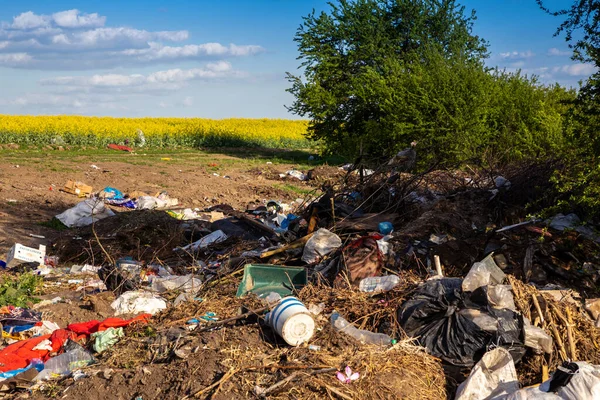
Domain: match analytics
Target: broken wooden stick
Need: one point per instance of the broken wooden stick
(212, 325)
(567, 325)
(312, 225)
(558, 339)
(570, 335)
(438, 265)
(217, 384)
(294, 245)
(538, 308)
(338, 393)
(264, 392)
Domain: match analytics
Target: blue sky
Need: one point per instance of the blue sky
(206, 58)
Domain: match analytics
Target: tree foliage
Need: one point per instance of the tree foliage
(378, 74)
(579, 182)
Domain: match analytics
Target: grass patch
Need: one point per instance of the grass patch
(55, 224)
(19, 290)
(295, 189)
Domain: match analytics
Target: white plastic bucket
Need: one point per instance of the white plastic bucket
(292, 321)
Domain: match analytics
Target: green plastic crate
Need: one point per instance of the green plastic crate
(263, 279)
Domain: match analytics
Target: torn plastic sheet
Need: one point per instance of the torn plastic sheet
(495, 378)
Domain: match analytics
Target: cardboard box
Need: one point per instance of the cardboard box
(77, 188)
(20, 254)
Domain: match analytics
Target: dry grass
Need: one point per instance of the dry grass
(585, 336)
(250, 355)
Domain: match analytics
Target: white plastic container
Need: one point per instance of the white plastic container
(292, 321)
(379, 283)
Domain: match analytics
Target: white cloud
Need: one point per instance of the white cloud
(157, 51)
(73, 40)
(517, 64)
(188, 101)
(29, 20)
(558, 53)
(15, 59)
(517, 55)
(167, 80)
(576, 70)
(72, 19)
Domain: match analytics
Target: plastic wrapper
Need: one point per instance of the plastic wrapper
(320, 244)
(483, 273)
(184, 283)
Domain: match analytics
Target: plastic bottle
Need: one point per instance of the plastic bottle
(379, 283)
(65, 363)
(340, 324)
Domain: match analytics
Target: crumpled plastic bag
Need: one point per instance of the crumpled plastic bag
(319, 245)
(106, 339)
(483, 273)
(493, 377)
(185, 283)
(138, 302)
(213, 237)
(150, 203)
(85, 213)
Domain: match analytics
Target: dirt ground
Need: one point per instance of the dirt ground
(30, 182)
(441, 213)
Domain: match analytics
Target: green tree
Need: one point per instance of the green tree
(355, 59)
(579, 181)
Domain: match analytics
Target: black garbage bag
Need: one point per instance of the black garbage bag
(440, 316)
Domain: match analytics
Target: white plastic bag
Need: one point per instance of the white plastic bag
(320, 244)
(138, 302)
(536, 338)
(483, 273)
(185, 283)
(85, 213)
(493, 377)
(501, 296)
(214, 237)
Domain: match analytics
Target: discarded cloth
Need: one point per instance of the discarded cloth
(11, 316)
(89, 327)
(361, 259)
(21, 354)
(119, 147)
(106, 339)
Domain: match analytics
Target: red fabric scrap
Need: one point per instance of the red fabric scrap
(20, 354)
(113, 146)
(89, 327)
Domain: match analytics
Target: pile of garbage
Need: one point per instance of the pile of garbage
(384, 280)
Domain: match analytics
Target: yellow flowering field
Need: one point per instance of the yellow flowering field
(159, 132)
